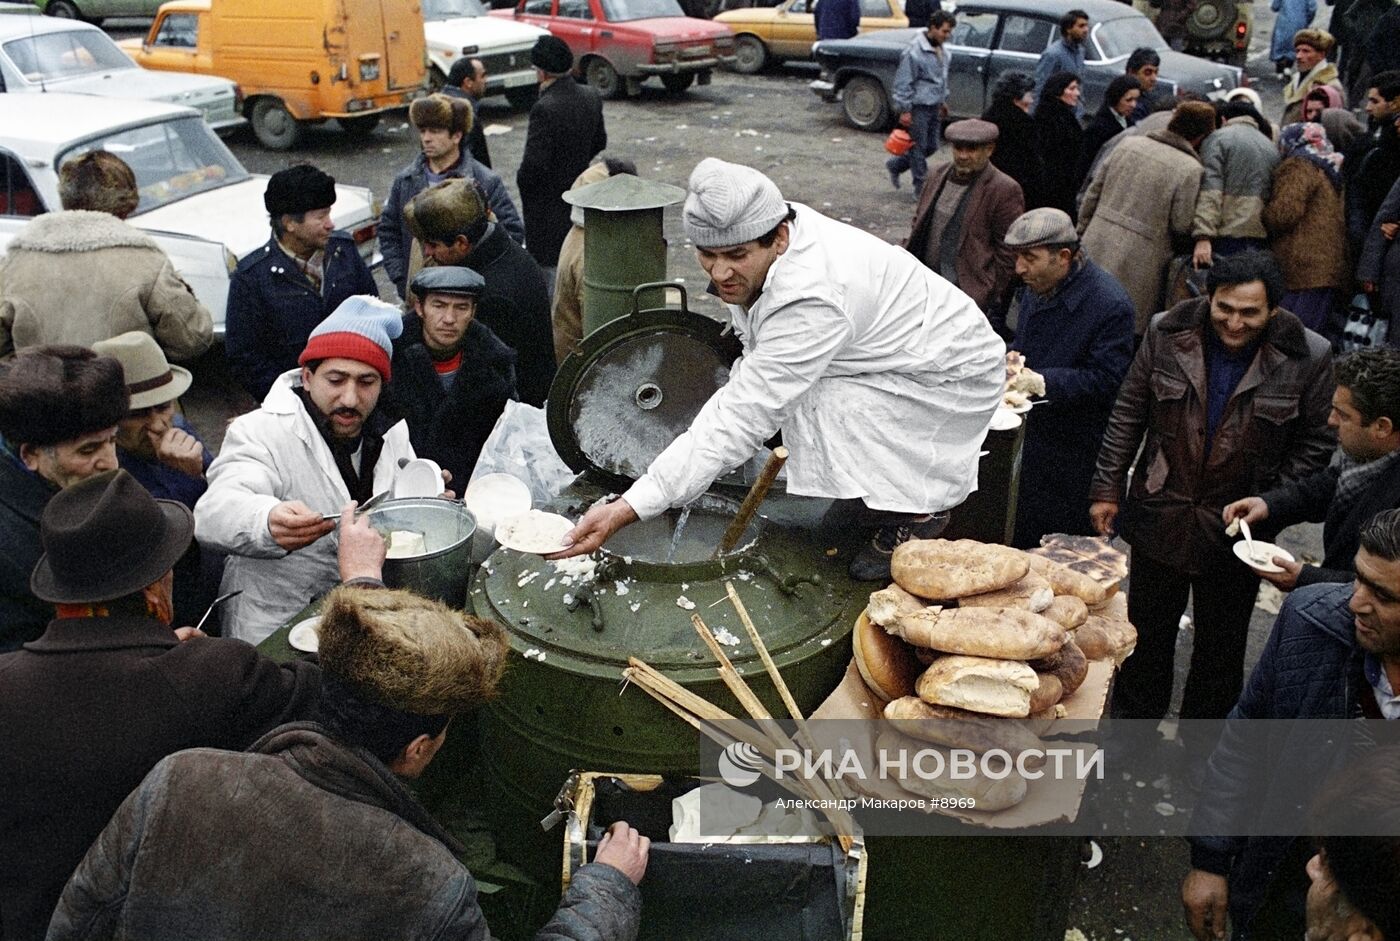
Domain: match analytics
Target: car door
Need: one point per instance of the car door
(971, 46)
(536, 12)
(176, 44)
(794, 29)
(576, 23)
(1023, 38)
(881, 14)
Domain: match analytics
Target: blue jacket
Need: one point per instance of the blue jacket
(272, 308)
(922, 77)
(1311, 668)
(837, 19)
(1061, 56)
(396, 238)
(1081, 340)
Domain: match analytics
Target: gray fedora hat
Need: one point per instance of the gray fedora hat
(150, 379)
(106, 537)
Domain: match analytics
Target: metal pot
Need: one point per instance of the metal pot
(442, 571)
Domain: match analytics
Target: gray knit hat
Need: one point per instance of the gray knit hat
(1043, 226)
(730, 204)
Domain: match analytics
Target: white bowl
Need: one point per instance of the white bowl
(1264, 553)
(1004, 419)
(494, 497)
(306, 635)
(419, 478)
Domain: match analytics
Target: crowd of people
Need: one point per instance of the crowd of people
(1178, 272)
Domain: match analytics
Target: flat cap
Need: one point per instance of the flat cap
(551, 54)
(1044, 226)
(447, 279)
(973, 131)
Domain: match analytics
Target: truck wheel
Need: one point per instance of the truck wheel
(678, 82)
(360, 127)
(750, 55)
(63, 9)
(273, 124)
(602, 76)
(865, 103)
(522, 97)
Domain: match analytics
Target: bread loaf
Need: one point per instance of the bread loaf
(979, 684)
(886, 663)
(958, 728)
(1067, 611)
(1090, 555)
(889, 603)
(945, 569)
(1068, 664)
(1004, 633)
(1066, 581)
(1115, 608)
(990, 794)
(1047, 693)
(1101, 639)
(1032, 593)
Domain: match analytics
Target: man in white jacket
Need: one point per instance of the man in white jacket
(881, 376)
(316, 442)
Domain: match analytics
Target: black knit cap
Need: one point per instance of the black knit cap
(552, 55)
(298, 190)
(53, 394)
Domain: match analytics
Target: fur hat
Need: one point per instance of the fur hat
(400, 650)
(446, 210)
(362, 328)
(552, 55)
(1319, 39)
(298, 190)
(453, 115)
(730, 204)
(100, 182)
(52, 394)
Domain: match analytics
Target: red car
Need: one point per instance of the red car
(618, 44)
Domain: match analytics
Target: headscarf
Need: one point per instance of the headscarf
(1309, 141)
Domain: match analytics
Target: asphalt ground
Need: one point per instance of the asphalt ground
(773, 122)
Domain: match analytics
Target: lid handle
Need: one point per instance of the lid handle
(659, 286)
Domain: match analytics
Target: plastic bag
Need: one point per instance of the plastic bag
(1363, 329)
(519, 445)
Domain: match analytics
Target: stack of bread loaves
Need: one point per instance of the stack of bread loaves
(973, 637)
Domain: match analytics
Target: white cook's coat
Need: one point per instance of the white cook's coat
(269, 456)
(882, 376)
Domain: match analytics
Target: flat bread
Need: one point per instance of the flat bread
(958, 728)
(887, 604)
(990, 794)
(1067, 581)
(535, 532)
(1067, 611)
(1088, 555)
(1002, 633)
(955, 568)
(1032, 592)
(980, 684)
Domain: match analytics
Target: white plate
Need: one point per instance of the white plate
(1005, 420)
(536, 532)
(419, 478)
(1262, 550)
(493, 497)
(1018, 409)
(305, 635)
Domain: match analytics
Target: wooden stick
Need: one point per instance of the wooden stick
(769, 665)
(752, 499)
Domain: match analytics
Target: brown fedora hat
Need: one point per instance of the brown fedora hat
(106, 537)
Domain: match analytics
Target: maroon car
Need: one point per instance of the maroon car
(618, 44)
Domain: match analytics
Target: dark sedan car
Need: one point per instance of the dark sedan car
(996, 36)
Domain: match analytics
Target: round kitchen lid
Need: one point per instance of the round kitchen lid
(633, 386)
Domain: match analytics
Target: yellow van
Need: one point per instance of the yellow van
(296, 61)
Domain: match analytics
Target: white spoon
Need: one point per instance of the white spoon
(1248, 537)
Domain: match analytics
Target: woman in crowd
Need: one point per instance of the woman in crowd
(1060, 136)
(1113, 117)
(1305, 224)
(1017, 152)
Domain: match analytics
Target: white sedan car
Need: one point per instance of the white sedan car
(197, 200)
(460, 29)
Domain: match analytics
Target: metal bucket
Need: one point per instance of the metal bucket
(442, 571)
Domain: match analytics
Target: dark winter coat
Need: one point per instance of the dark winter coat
(515, 305)
(1306, 229)
(1103, 128)
(1018, 153)
(1370, 172)
(1060, 139)
(450, 425)
(395, 236)
(984, 263)
(1379, 263)
(1309, 500)
(566, 132)
(330, 845)
(90, 707)
(1274, 430)
(1311, 668)
(1081, 340)
(272, 308)
(23, 496)
(837, 19)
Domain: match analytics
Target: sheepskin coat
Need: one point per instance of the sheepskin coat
(1133, 238)
(80, 277)
(1306, 226)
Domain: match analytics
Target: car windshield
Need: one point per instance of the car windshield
(450, 9)
(620, 11)
(1121, 36)
(171, 159)
(49, 57)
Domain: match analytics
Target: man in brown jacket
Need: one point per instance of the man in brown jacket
(1232, 395)
(964, 210)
